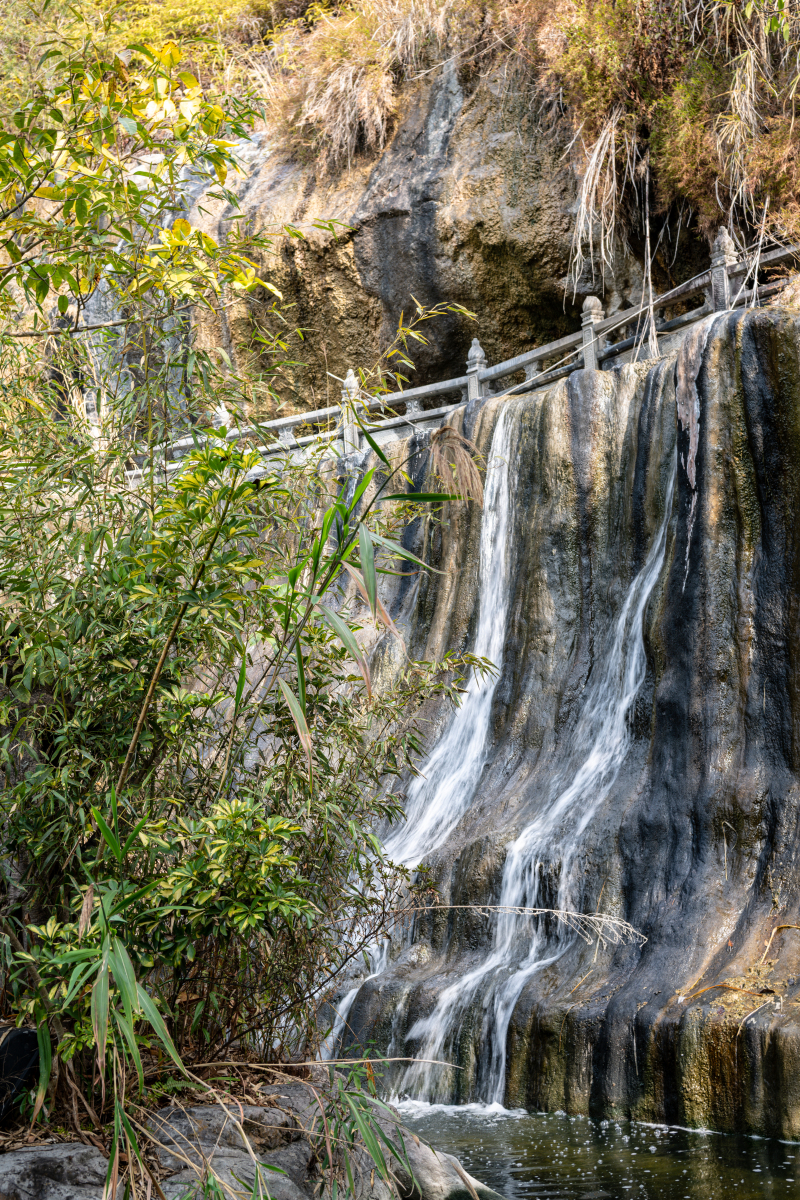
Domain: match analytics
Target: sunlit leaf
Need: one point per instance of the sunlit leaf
(367, 556)
(300, 723)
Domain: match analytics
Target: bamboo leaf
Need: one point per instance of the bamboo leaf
(157, 1021)
(301, 675)
(345, 635)
(132, 837)
(132, 897)
(130, 1037)
(367, 556)
(401, 552)
(45, 1066)
(300, 724)
(133, 1142)
(124, 977)
(362, 487)
(99, 1013)
(241, 682)
(80, 973)
(387, 620)
(370, 1141)
(373, 445)
(107, 835)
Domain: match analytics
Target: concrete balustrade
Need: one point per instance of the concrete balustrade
(591, 317)
(587, 348)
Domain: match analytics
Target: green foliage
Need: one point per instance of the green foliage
(92, 167)
(705, 102)
(196, 766)
(349, 1121)
(622, 54)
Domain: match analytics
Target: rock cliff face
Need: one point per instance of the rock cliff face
(638, 754)
(470, 203)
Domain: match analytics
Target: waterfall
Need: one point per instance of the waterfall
(604, 730)
(379, 960)
(439, 797)
(596, 751)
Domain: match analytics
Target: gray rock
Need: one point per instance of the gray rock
(294, 1159)
(236, 1171)
(209, 1127)
(206, 1138)
(469, 202)
(197, 1141)
(297, 1099)
(65, 1172)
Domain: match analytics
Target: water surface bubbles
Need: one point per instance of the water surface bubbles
(527, 1156)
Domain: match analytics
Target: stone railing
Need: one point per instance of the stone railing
(722, 287)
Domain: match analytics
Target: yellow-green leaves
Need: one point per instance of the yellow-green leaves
(102, 145)
(181, 230)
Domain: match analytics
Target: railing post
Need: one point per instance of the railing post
(350, 431)
(533, 369)
(476, 361)
(723, 255)
(591, 315)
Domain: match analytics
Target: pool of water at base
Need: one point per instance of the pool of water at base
(552, 1156)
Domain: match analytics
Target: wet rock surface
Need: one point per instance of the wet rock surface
(692, 836)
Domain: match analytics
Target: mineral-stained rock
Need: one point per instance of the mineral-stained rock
(693, 838)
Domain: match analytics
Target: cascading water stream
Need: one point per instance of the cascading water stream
(379, 960)
(605, 728)
(437, 800)
(598, 747)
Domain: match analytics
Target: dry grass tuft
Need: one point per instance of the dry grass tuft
(701, 97)
(331, 81)
(346, 90)
(453, 458)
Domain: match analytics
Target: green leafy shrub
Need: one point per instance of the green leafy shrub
(195, 761)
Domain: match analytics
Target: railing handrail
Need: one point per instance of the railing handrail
(588, 342)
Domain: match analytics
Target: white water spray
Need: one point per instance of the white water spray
(379, 961)
(437, 800)
(598, 747)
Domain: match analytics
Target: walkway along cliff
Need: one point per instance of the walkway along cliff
(635, 575)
